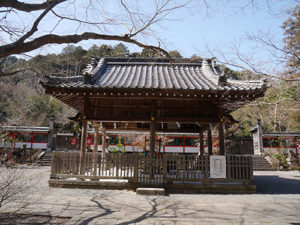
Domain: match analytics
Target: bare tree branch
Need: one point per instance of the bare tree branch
(160, 12)
(76, 20)
(34, 28)
(138, 26)
(14, 48)
(26, 7)
(266, 40)
(14, 72)
(244, 61)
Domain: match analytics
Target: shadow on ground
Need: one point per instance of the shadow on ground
(145, 215)
(10, 219)
(276, 185)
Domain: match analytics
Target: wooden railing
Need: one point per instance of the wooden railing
(159, 169)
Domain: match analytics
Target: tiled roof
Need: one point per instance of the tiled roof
(147, 73)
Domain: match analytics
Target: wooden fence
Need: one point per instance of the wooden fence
(159, 169)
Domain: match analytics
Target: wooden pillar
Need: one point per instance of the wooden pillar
(96, 141)
(159, 144)
(152, 137)
(221, 138)
(96, 137)
(83, 144)
(209, 141)
(104, 143)
(201, 143)
(152, 129)
(145, 146)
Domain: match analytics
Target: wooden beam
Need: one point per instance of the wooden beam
(145, 126)
(157, 130)
(121, 107)
(168, 108)
(123, 92)
(141, 118)
(73, 101)
(221, 98)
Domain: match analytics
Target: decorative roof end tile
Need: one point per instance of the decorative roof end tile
(94, 62)
(222, 81)
(87, 78)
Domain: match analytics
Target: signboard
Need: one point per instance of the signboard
(218, 166)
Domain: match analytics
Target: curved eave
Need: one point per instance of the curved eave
(81, 86)
(95, 88)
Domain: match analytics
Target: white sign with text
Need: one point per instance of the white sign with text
(218, 166)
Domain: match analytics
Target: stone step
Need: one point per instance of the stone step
(46, 159)
(260, 163)
(42, 159)
(150, 191)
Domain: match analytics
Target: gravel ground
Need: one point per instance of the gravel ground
(277, 202)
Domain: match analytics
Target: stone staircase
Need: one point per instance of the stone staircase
(45, 160)
(260, 163)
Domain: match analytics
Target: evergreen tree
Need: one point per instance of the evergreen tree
(292, 41)
(120, 50)
(175, 54)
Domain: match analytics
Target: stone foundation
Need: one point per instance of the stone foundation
(169, 188)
